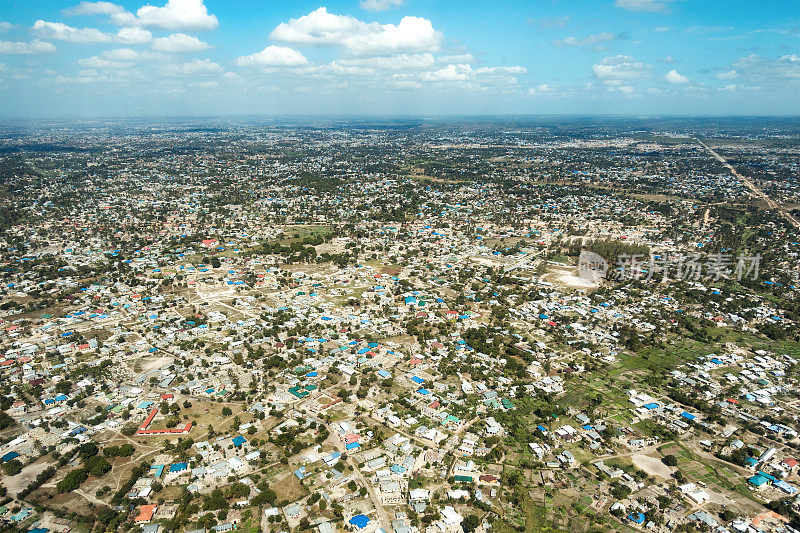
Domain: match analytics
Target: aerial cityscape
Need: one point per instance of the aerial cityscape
(395, 266)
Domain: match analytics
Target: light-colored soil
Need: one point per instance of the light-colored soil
(575, 282)
(14, 484)
(652, 465)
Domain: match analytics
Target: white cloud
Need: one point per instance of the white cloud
(174, 15)
(542, 88)
(677, 79)
(5, 26)
(121, 54)
(612, 70)
(412, 34)
(94, 8)
(179, 42)
(466, 72)
(729, 75)
(380, 5)
(95, 62)
(178, 14)
(456, 58)
(61, 32)
(131, 55)
(273, 56)
(626, 89)
(449, 73)
(396, 63)
(761, 69)
(652, 6)
(197, 67)
(34, 47)
(133, 35)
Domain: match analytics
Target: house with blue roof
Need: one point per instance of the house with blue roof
(636, 517)
(178, 467)
(10, 456)
(359, 521)
(758, 481)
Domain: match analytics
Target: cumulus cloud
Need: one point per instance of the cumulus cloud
(133, 35)
(273, 56)
(728, 75)
(34, 47)
(652, 6)
(676, 79)
(174, 15)
(179, 42)
(412, 34)
(94, 8)
(178, 14)
(5, 26)
(380, 5)
(131, 55)
(62, 32)
(613, 70)
(121, 54)
(466, 72)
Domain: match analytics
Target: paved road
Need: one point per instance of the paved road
(758, 193)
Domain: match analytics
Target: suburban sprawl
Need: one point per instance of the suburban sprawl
(400, 326)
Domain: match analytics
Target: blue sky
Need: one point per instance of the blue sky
(399, 57)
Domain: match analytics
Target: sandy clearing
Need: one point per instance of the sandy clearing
(576, 282)
(15, 484)
(652, 465)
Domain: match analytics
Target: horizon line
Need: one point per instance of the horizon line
(427, 116)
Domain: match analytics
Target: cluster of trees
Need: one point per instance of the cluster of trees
(93, 464)
(126, 450)
(608, 249)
